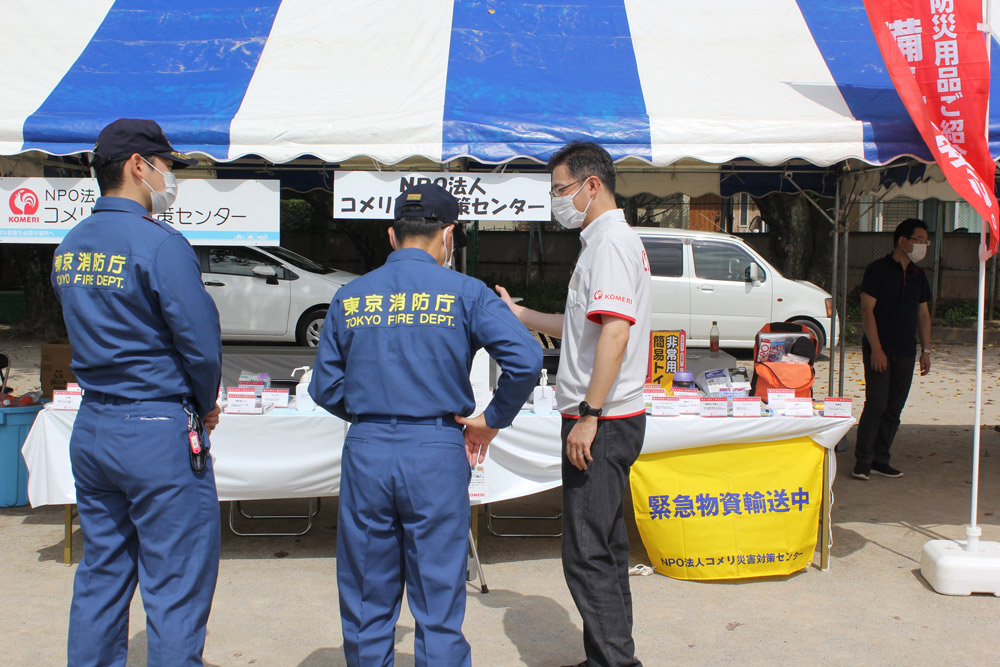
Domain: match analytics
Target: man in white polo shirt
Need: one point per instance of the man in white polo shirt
(602, 367)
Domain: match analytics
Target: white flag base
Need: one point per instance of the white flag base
(951, 569)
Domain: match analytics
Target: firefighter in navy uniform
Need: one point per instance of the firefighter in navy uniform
(394, 360)
(147, 352)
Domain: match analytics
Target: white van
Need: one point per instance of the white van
(701, 277)
(269, 293)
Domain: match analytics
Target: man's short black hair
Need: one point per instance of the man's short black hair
(109, 174)
(585, 159)
(905, 229)
(409, 227)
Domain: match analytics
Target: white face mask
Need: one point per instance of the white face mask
(162, 199)
(565, 213)
(918, 253)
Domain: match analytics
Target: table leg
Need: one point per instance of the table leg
(68, 546)
(472, 565)
(826, 529)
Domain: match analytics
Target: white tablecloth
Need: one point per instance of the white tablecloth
(289, 454)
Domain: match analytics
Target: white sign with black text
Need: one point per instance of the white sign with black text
(368, 195)
(207, 211)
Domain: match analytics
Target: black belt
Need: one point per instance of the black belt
(91, 395)
(390, 419)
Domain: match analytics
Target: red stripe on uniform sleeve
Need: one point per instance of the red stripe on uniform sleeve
(595, 316)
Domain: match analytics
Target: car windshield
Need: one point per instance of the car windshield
(298, 260)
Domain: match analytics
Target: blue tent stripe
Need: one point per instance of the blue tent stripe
(185, 66)
(844, 37)
(523, 80)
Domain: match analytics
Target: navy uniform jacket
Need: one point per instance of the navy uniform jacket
(141, 324)
(399, 341)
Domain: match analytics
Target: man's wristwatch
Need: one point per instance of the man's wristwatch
(924, 351)
(586, 410)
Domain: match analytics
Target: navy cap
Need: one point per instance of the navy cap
(432, 202)
(126, 136)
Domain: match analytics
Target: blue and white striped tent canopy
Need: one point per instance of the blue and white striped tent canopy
(767, 80)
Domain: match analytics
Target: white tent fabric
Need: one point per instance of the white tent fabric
(768, 81)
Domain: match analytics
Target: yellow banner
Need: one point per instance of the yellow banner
(730, 511)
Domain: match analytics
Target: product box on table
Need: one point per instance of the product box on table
(55, 372)
(667, 355)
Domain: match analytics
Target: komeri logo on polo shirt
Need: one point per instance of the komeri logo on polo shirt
(599, 295)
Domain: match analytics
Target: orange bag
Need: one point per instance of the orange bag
(782, 375)
(776, 375)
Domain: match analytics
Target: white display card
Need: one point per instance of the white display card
(241, 402)
(274, 396)
(666, 406)
(712, 406)
(776, 398)
(746, 407)
(798, 406)
(651, 390)
(256, 385)
(690, 404)
(837, 407)
(66, 399)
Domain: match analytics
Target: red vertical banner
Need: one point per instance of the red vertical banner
(936, 54)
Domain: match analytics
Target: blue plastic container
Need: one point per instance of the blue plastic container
(14, 426)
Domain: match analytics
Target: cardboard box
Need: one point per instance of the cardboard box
(56, 373)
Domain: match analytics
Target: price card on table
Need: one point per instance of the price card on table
(274, 397)
(68, 399)
(241, 401)
(746, 406)
(837, 407)
(776, 398)
(798, 407)
(713, 406)
(732, 392)
(651, 390)
(256, 385)
(690, 405)
(666, 406)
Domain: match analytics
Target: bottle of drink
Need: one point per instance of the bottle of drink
(713, 338)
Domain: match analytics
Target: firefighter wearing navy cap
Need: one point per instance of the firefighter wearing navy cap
(394, 359)
(147, 352)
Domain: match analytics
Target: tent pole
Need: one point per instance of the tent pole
(843, 310)
(938, 248)
(833, 285)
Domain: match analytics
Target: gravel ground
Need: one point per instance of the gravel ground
(276, 601)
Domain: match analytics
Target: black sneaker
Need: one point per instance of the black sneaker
(886, 470)
(862, 472)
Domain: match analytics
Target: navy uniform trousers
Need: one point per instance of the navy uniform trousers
(147, 518)
(404, 519)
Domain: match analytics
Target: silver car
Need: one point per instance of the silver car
(269, 293)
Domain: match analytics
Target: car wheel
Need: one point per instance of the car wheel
(310, 326)
(817, 331)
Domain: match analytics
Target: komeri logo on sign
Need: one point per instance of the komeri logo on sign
(23, 204)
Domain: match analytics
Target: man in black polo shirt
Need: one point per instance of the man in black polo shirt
(894, 311)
